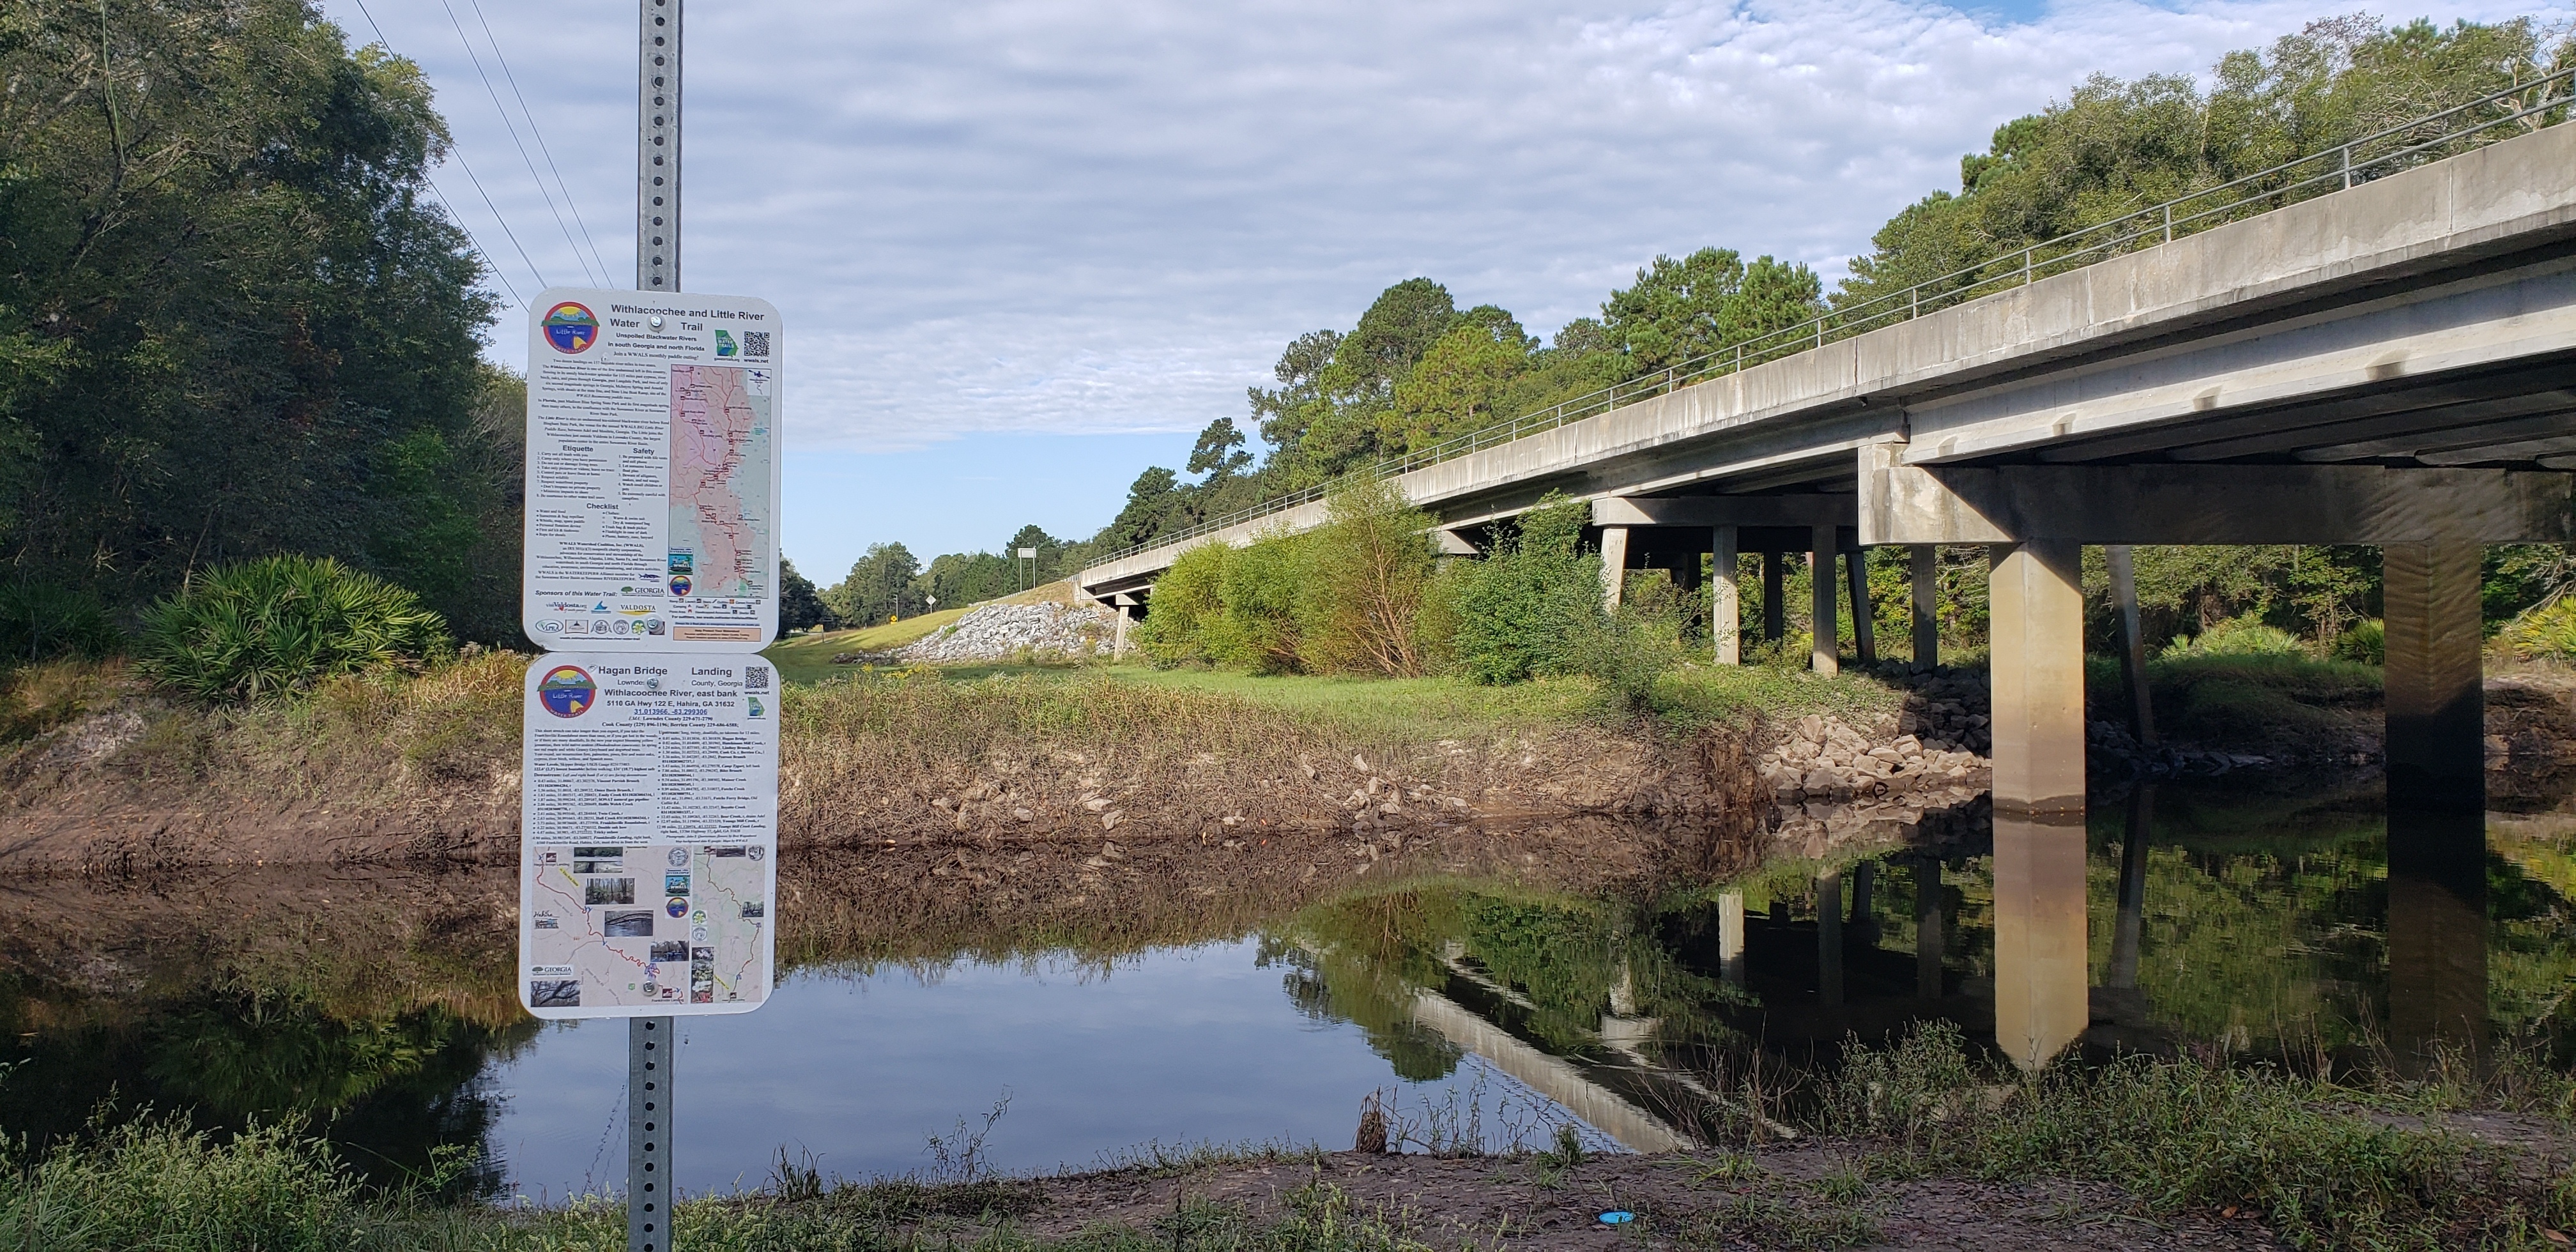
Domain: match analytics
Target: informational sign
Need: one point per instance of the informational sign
(648, 820)
(653, 472)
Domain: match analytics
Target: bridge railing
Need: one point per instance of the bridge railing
(2519, 109)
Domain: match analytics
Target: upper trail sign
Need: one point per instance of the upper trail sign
(653, 472)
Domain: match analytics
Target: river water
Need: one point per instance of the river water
(2254, 919)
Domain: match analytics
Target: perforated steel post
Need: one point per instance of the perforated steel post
(657, 147)
(648, 1134)
(650, 1041)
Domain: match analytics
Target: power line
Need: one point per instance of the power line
(513, 127)
(542, 149)
(458, 151)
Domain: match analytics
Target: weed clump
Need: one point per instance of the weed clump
(157, 1184)
(2181, 1135)
(260, 629)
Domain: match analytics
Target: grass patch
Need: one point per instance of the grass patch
(2182, 1135)
(456, 722)
(1425, 709)
(156, 1184)
(2248, 701)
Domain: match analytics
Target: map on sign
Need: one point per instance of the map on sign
(652, 472)
(720, 502)
(623, 926)
(648, 834)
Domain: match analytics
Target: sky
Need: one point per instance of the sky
(1024, 248)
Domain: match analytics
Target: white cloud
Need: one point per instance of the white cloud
(1008, 215)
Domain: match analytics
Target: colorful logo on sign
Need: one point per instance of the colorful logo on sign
(680, 584)
(571, 328)
(724, 344)
(567, 691)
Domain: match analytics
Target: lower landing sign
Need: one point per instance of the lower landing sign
(648, 820)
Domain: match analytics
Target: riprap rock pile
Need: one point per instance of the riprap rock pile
(1004, 632)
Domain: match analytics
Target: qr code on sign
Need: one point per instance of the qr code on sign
(755, 343)
(755, 678)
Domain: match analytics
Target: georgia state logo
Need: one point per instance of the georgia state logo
(567, 691)
(571, 328)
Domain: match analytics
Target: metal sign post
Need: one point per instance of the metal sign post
(650, 1048)
(648, 798)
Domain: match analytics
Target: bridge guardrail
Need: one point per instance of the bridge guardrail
(2528, 106)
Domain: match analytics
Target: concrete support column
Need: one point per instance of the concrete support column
(2041, 1000)
(1730, 937)
(2437, 899)
(2436, 701)
(1775, 615)
(1829, 930)
(1927, 620)
(1614, 565)
(2437, 934)
(1725, 606)
(1825, 657)
(2037, 600)
(2133, 643)
(1928, 943)
(2128, 928)
(1864, 614)
(1118, 632)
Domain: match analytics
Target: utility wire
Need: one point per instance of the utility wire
(457, 151)
(542, 149)
(513, 127)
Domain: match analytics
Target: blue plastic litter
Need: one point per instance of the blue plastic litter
(1613, 1217)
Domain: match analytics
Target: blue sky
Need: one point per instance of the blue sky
(1026, 247)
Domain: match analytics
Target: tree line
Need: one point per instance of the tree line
(232, 322)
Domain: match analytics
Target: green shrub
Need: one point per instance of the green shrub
(263, 628)
(2242, 636)
(41, 621)
(2547, 632)
(1186, 605)
(2366, 643)
(1528, 608)
(1368, 570)
(1626, 651)
(1259, 629)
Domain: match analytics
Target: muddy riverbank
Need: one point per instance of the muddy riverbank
(1079, 781)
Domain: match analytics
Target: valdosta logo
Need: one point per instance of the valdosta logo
(571, 328)
(567, 691)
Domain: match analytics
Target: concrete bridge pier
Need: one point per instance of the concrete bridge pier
(2042, 1000)
(1926, 592)
(1614, 565)
(1829, 932)
(1123, 605)
(1725, 605)
(1825, 657)
(1927, 928)
(1864, 614)
(1730, 936)
(1775, 615)
(2437, 899)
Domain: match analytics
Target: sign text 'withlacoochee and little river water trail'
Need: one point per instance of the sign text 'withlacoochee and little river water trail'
(649, 758)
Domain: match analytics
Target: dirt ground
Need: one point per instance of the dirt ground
(1803, 1196)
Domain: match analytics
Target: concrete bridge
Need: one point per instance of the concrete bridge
(2391, 364)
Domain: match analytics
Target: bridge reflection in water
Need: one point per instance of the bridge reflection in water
(2281, 926)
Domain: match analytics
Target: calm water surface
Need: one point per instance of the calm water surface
(2253, 920)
